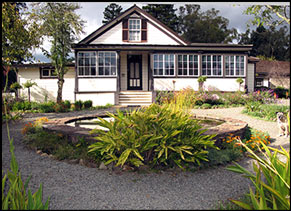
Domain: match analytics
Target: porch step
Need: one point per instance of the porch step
(135, 98)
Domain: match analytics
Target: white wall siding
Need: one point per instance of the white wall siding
(219, 84)
(123, 71)
(144, 71)
(46, 87)
(154, 37)
(96, 84)
(251, 77)
(97, 98)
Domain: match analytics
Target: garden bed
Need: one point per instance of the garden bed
(229, 126)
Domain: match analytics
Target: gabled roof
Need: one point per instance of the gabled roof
(273, 68)
(124, 14)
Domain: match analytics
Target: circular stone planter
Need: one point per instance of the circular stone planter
(230, 126)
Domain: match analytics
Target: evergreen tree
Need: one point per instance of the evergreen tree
(269, 43)
(164, 13)
(111, 11)
(204, 27)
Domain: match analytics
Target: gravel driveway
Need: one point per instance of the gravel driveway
(73, 186)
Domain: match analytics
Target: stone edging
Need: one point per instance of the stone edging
(230, 126)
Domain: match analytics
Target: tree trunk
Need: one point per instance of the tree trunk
(29, 95)
(200, 86)
(60, 90)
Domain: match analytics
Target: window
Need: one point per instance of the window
(188, 65)
(86, 63)
(134, 30)
(106, 66)
(234, 65)
(164, 64)
(107, 63)
(48, 72)
(211, 65)
(259, 82)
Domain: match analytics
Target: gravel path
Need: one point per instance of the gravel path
(73, 186)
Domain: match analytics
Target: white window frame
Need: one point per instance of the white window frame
(164, 68)
(188, 64)
(211, 65)
(50, 69)
(90, 75)
(97, 64)
(134, 30)
(235, 66)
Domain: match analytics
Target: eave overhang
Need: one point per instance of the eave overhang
(137, 47)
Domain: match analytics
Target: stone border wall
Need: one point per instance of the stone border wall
(230, 126)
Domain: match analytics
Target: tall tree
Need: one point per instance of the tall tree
(62, 26)
(111, 12)
(19, 35)
(206, 27)
(164, 13)
(269, 43)
(265, 14)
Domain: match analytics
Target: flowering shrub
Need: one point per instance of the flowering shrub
(30, 127)
(254, 142)
(27, 128)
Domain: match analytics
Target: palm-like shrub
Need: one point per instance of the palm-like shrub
(271, 180)
(28, 84)
(157, 135)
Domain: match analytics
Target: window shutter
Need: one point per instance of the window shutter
(125, 30)
(143, 30)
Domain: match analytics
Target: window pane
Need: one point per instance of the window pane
(93, 70)
(113, 70)
(45, 72)
(107, 69)
(93, 61)
(81, 71)
(101, 71)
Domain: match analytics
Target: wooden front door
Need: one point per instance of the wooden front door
(134, 72)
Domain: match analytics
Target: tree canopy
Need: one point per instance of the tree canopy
(60, 23)
(111, 12)
(19, 35)
(264, 14)
(164, 13)
(269, 43)
(204, 27)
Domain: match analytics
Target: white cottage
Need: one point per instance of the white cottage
(126, 61)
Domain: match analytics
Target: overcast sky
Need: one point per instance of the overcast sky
(92, 13)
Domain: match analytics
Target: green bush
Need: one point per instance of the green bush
(78, 105)
(156, 135)
(164, 97)
(233, 98)
(265, 111)
(252, 106)
(58, 145)
(87, 104)
(47, 107)
(60, 107)
(67, 104)
(206, 106)
(282, 92)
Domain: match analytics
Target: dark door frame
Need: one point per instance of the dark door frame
(135, 59)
